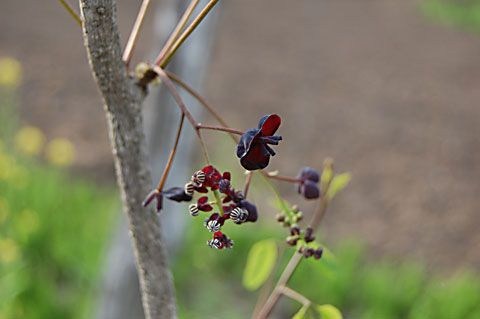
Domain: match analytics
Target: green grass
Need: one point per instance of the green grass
(54, 229)
(463, 14)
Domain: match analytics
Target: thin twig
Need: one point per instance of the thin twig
(72, 12)
(283, 178)
(176, 32)
(171, 87)
(188, 31)
(289, 292)
(294, 261)
(200, 99)
(132, 39)
(172, 155)
(248, 181)
(183, 108)
(219, 128)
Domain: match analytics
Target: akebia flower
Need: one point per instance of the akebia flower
(253, 149)
(177, 194)
(308, 185)
(229, 204)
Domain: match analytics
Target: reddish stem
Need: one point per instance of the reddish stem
(219, 128)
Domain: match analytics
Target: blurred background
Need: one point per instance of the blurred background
(387, 88)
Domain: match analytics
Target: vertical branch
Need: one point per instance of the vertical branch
(122, 100)
(137, 26)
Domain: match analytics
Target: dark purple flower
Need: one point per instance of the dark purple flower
(308, 186)
(177, 194)
(253, 149)
(220, 241)
(250, 208)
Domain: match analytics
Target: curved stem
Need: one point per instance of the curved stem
(181, 24)
(187, 32)
(284, 178)
(219, 128)
(172, 155)
(294, 260)
(137, 26)
(248, 181)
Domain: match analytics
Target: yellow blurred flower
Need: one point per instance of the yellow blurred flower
(61, 152)
(10, 72)
(29, 140)
(8, 251)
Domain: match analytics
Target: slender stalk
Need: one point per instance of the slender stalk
(183, 108)
(204, 146)
(137, 26)
(176, 32)
(248, 181)
(172, 155)
(219, 128)
(171, 87)
(294, 261)
(200, 99)
(187, 32)
(218, 201)
(71, 11)
(283, 178)
(289, 292)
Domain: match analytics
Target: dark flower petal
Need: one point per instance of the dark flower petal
(255, 158)
(308, 173)
(201, 189)
(269, 124)
(202, 200)
(309, 190)
(224, 185)
(177, 194)
(252, 210)
(227, 176)
(212, 176)
(246, 141)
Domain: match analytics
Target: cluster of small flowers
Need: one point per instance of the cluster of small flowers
(297, 235)
(234, 206)
(231, 204)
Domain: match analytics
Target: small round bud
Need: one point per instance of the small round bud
(295, 230)
(292, 240)
(308, 236)
(280, 218)
(318, 253)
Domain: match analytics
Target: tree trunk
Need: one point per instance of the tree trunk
(122, 100)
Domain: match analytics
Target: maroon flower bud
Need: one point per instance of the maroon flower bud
(292, 240)
(308, 236)
(239, 215)
(309, 179)
(295, 230)
(318, 253)
(177, 194)
(250, 208)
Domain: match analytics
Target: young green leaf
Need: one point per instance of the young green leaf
(260, 262)
(339, 182)
(328, 312)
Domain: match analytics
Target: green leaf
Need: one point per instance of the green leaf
(338, 183)
(328, 312)
(327, 175)
(260, 262)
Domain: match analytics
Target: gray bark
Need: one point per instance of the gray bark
(122, 101)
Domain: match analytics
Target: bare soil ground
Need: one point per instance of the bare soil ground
(391, 96)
